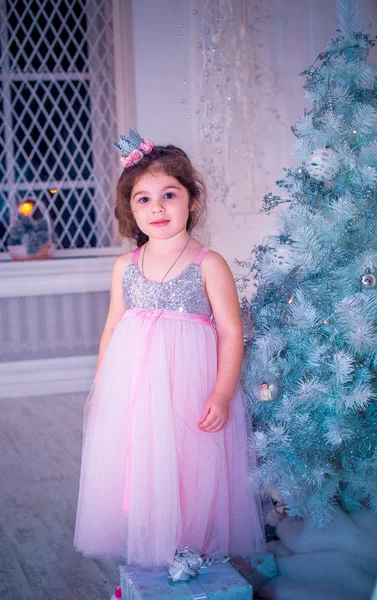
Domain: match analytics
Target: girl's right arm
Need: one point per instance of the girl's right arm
(117, 304)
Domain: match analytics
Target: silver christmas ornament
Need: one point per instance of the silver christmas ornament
(266, 390)
(368, 280)
(323, 164)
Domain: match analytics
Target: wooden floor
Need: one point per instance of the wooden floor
(40, 448)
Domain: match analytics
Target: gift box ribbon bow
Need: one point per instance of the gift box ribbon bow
(188, 562)
(187, 565)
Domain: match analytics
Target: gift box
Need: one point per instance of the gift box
(257, 569)
(218, 581)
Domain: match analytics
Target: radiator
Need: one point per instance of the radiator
(52, 315)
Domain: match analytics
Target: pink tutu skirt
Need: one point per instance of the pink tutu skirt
(151, 481)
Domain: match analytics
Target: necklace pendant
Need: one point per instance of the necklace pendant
(168, 271)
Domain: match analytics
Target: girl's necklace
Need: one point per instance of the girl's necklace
(176, 260)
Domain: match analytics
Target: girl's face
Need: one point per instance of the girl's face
(160, 205)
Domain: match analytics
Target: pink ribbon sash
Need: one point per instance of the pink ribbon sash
(155, 313)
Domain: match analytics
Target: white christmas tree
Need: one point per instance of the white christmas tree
(315, 309)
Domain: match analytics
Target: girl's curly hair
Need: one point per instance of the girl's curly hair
(174, 162)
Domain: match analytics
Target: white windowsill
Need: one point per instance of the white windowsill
(69, 272)
(75, 253)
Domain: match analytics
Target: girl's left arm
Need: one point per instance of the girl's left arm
(222, 294)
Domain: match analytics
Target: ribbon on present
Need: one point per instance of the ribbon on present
(185, 567)
(188, 564)
(195, 589)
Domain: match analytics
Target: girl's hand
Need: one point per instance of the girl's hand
(215, 414)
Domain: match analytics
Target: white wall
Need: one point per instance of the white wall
(162, 62)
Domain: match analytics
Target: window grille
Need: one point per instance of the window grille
(57, 116)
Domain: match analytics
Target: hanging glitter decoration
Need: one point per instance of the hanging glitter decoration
(230, 46)
(226, 111)
(221, 111)
(221, 122)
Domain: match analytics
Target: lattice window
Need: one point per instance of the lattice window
(57, 115)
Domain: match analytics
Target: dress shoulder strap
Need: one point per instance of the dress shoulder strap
(200, 255)
(135, 256)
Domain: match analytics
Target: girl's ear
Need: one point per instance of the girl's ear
(193, 204)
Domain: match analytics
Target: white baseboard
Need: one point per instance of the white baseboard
(47, 376)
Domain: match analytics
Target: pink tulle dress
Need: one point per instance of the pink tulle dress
(151, 481)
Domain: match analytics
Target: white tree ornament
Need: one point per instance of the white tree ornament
(323, 164)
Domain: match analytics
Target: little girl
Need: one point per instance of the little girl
(165, 460)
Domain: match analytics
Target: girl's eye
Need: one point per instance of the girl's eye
(143, 199)
(169, 195)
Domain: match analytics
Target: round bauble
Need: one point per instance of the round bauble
(281, 257)
(323, 164)
(266, 389)
(368, 280)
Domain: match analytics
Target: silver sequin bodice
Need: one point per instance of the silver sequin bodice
(184, 293)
